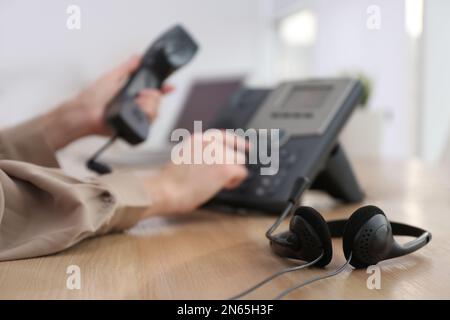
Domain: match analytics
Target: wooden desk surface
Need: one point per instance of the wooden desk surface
(212, 255)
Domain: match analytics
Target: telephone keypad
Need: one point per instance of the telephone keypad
(267, 185)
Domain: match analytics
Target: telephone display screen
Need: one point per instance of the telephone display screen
(307, 97)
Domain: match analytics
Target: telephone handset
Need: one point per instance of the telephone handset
(171, 51)
(309, 114)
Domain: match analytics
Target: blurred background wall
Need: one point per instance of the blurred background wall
(400, 48)
(42, 62)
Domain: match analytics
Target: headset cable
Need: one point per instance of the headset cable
(308, 282)
(299, 187)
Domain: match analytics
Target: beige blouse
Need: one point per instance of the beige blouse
(43, 211)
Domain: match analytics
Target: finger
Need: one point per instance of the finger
(150, 91)
(147, 102)
(229, 140)
(149, 105)
(166, 89)
(154, 93)
(236, 142)
(236, 174)
(150, 99)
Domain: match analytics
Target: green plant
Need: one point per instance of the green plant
(367, 86)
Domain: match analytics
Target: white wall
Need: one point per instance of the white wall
(345, 45)
(41, 62)
(435, 118)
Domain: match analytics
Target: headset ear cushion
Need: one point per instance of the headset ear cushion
(316, 221)
(354, 224)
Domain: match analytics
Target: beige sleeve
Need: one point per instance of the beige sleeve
(26, 143)
(43, 211)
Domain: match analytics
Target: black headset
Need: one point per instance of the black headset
(368, 237)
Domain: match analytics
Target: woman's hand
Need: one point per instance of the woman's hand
(92, 101)
(183, 188)
(83, 115)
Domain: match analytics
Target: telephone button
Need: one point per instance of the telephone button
(266, 181)
(260, 192)
(291, 160)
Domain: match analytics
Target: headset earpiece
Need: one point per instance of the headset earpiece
(363, 236)
(308, 237)
(369, 237)
(318, 223)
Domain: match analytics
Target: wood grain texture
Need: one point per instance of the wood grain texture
(212, 255)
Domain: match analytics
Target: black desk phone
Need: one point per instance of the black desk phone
(172, 50)
(309, 114)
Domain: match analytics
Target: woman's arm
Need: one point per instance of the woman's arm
(43, 211)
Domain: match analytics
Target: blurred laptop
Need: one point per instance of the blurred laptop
(205, 99)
